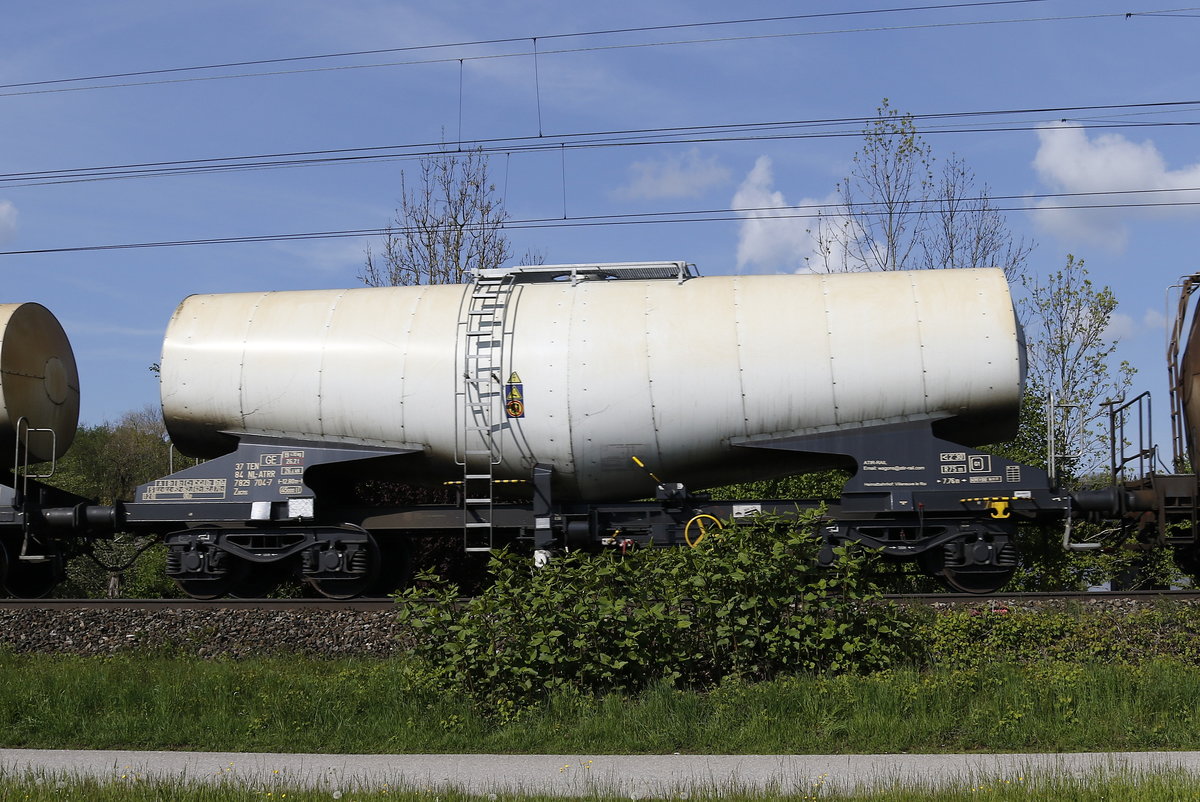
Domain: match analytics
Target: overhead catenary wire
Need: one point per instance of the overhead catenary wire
(762, 131)
(589, 49)
(695, 134)
(516, 40)
(786, 212)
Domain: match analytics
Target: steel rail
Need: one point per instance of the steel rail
(364, 604)
(386, 603)
(1079, 595)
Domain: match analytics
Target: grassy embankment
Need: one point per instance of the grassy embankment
(371, 706)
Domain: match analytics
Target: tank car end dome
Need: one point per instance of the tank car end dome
(39, 381)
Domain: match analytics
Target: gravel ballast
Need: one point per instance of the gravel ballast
(216, 632)
(331, 632)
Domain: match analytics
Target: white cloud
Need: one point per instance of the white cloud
(340, 256)
(1068, 161)
(1125, 327)
(1154, 319)
(1120, 327)
(8, 220)
(766, 241)
(685, 175)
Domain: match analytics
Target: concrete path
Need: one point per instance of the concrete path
(636, 776)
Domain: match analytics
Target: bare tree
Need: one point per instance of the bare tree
(895, 213)
(966, 229)
(450, 224)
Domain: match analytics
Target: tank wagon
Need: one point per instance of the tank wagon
(551, 397)
(39, 412)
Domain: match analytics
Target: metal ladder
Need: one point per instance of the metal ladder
(482, 395)
(21, 476)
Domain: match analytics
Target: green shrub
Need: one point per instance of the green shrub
(966, 638)
(750, 604)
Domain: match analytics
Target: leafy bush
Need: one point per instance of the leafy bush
(749, 604)
(966, 638)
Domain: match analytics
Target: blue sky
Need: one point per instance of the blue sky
(115, 304)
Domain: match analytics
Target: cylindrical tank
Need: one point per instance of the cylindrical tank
(39, 383)
(674, 373)
(1189, 391)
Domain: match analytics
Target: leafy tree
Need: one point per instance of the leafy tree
(450, 224)
(109, 460)
(895, 213)
(1071, 353)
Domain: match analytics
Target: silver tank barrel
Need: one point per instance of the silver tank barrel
(675, 373)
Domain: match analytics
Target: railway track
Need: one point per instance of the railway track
(366, 604)
(383, 604)
(1084, 595)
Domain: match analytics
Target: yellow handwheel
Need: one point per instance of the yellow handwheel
(699, 522)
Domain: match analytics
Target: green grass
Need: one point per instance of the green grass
(393, 706)
(1150, 786)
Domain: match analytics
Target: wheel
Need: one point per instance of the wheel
(369, 560)
(978, 582)
(214, 586)
(987, 570)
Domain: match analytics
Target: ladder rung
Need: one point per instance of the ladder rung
(484, 321)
